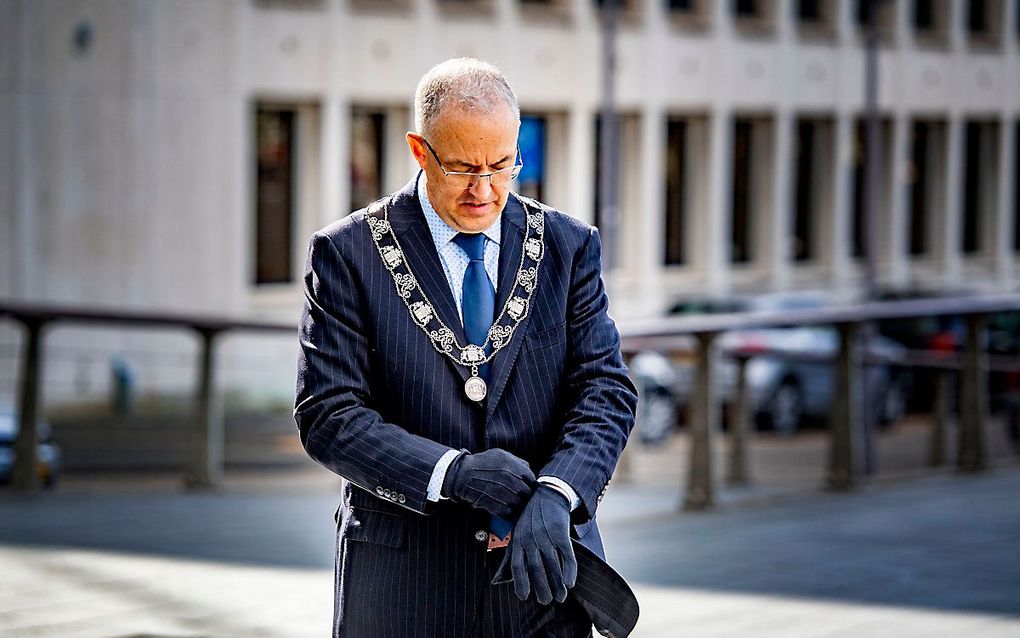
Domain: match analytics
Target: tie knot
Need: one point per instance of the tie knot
(473, 244)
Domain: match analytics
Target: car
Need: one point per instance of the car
(785, 392)
(947, 333)
(49, 457)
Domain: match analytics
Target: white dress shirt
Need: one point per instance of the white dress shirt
(455, 262)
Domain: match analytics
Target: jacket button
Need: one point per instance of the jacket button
(401, 498)
(379, 490)
(481, 535)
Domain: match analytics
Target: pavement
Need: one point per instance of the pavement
(937, 554)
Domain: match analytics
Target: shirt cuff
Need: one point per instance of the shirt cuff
(561, 486)
(439, 475)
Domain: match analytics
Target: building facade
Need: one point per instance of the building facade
(178, 155)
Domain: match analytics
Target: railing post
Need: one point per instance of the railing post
(25, 476)
(205, 466)
(940, 421)
(844, 411)
(739, 427)
(973, 406)
(703, 425)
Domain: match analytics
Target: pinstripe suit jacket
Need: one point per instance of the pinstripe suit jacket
(378, 405)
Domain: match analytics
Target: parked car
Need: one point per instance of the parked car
(785, 393)
(947, 333)
(48, 454)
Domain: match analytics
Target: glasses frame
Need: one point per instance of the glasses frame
(513, 171)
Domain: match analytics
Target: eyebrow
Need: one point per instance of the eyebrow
(459, 163)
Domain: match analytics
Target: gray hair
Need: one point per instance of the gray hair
(465, 83)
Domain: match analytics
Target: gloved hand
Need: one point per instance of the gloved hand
(541, 556)
(494, 480)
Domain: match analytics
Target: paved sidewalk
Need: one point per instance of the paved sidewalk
(936, 556)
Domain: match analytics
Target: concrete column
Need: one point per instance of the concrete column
(335, 189)
(1007, 193)
(781, 228)
(897, 231)
(582, 163)
(841, 225)
(703, 426)
(716, 219)
(952, 258)
(650, 250)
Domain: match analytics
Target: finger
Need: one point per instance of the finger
(522, 584)
(569, 560)
(539, 580)
(554, 573)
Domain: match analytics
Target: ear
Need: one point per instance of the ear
(417, 146)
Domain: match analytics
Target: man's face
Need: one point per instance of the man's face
(470, 142)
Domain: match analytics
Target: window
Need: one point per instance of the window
(691, 14)
(816, 18)
(747, 8)
(740, 229)
(929, 19)
(676, 192)
(984, 18)
(806, 163)
(919, 178)
(1016, 184)
(274, 194)
(979, 183)
(885, 17)
(532, 142)
(368, 128)
(753, 16)
(858, 203)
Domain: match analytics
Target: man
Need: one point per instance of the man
(459, 370)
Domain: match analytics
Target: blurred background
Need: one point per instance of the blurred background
(166, 162)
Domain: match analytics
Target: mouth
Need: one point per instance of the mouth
(476, 205)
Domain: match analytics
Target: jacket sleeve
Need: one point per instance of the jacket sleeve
(602, 398)
(336, 423)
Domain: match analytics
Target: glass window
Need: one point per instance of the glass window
(740, 229)
(367, 156)
(919, 179)
(532, 141)
(806, 164)
(274, 196)
(676, 192)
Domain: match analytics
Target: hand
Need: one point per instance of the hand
(541, 555)
(494, 480)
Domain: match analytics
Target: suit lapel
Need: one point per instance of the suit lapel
(409, 225)
(511, 243)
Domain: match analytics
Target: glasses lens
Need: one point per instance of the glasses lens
(502, 178)
(460, 180)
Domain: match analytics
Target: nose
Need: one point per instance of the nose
(482, 188)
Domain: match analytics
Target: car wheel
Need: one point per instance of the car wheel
(786, 409)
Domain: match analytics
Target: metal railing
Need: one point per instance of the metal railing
(205, 459)
(668, 335)
(673, 336)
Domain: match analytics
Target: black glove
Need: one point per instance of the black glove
(494, 480)
(541, 555)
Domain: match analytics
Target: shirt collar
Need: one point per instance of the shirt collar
(441, 231)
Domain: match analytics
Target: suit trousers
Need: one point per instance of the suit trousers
(503, 615)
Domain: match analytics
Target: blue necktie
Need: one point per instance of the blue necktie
(477, 305)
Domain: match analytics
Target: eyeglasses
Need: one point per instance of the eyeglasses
(458, 179)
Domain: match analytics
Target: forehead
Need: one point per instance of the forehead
(475, 130)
